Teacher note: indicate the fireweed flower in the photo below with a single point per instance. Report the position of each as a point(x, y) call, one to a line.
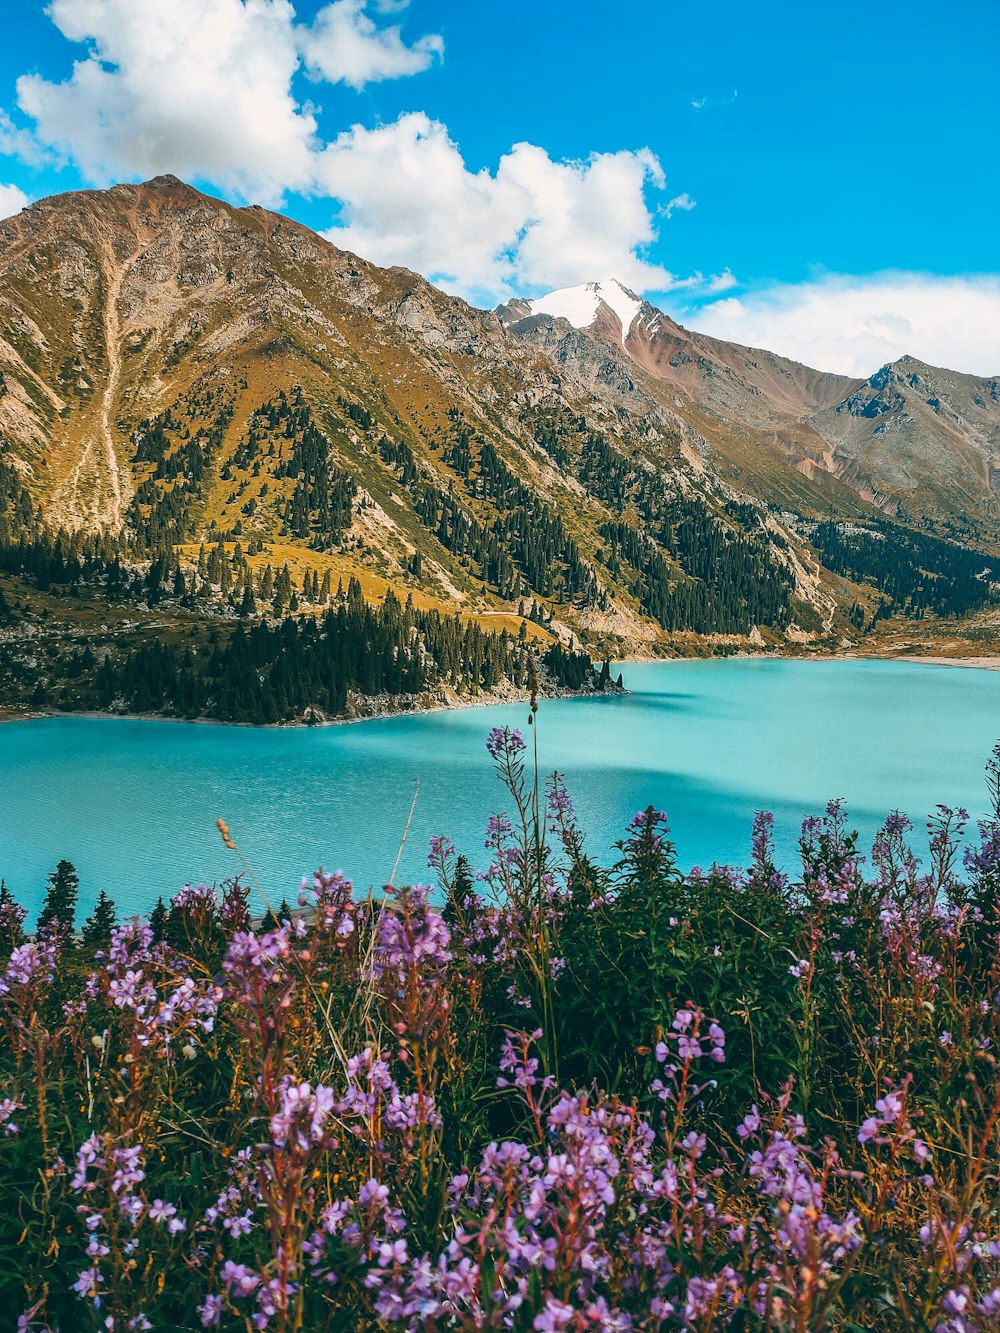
point(332, 899)
point(302, 1115)
point(890, 1124)
point(505, 743)
point(8, 1108)
point(411, 935)
point(210, 1312)
point(678, 1049)
point(238, 1279)
point(34, 962)
point(440, 850)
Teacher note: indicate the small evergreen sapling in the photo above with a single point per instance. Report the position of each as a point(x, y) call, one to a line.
point(59, 908)
point(12, 916)
point(158, 921)
point(101, 922)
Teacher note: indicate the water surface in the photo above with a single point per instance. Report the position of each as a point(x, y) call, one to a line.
point(133, 804)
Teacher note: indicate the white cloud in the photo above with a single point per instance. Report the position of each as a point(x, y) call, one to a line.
point(720, 282)
point(203, 88)
point(854, 325)
point(206, 89)
point(345, 45)
point(699, 103)
point(20, 143)
point(682, 202)
point(12, 200)
point(533, 224)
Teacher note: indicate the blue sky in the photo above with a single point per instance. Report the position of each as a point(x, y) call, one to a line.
point(813, 178)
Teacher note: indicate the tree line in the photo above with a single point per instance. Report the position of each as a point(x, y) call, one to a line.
point(689, 567)
point(307, 668)
point(917, 573)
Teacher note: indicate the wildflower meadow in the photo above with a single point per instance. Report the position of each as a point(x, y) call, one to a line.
point(571, 1092)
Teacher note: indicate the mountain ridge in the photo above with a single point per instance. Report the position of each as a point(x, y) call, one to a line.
point(801, 411)
point(179, 373)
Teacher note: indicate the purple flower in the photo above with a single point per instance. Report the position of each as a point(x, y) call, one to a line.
point(750, 1123)
point(302, 1116)
point(869, 1129)
point(35, 961)
point(7, 1108)
point(554, 1317)
point(87, 1283)
point(505, 744)
point(238, 1279)
point(440, 849)
point(210, 1312)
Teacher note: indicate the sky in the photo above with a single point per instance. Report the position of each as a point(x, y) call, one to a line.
point(816, 179)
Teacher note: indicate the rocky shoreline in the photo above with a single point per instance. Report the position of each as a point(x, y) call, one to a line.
point(361, 708)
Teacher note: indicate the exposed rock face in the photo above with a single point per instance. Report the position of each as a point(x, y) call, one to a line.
point(911, 439)
point(115, 304)
point(928, 438)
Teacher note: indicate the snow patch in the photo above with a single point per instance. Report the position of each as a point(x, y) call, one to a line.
point(580, 305)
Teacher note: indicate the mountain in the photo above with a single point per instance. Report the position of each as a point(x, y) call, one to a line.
point(213, 412)
point(916, 441)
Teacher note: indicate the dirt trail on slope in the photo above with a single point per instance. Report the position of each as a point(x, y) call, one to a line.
point(94, 496)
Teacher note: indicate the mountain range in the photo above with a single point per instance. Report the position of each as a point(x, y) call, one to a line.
point(176, 372)
point(914, 440)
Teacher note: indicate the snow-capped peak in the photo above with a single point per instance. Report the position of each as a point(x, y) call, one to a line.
point(580, 304)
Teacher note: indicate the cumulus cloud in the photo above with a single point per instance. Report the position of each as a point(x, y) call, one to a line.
point(201, 89)
point(345, 45)
point(20, 143)
point(204, 87)
point(408, 198)
point(853, 325)
point(207, 89)
point(12, 200)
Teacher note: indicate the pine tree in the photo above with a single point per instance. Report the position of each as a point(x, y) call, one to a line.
point(59, 908)
point(101, 922)
point(463, 889)
point(12, 916)
point(158, 921)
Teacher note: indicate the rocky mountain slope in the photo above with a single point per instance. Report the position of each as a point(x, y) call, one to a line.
point(917, 442)
point(178, 375)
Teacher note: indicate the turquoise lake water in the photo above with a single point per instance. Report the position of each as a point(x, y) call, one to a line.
point(133, 804)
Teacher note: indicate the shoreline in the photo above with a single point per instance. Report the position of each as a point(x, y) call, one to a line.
point(982, 662)
point(421, 705)
point(494, 700)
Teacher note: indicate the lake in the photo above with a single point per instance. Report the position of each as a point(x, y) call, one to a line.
point(133, 804)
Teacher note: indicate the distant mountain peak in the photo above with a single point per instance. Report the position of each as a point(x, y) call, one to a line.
point(167, 181)
point(581, 305)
